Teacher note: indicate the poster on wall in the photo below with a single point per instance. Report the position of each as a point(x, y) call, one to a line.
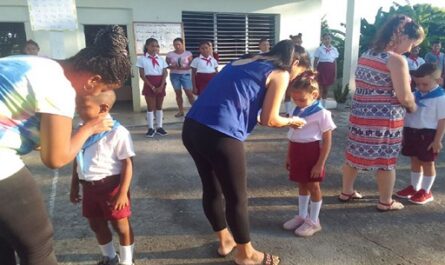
point(54, 15)
point(165, 33)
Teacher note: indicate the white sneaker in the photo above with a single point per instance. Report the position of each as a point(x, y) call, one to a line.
point(294, 223)
point(309, 228)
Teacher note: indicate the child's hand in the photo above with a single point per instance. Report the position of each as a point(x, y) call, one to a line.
point(316, 170)
point(436, 146)
point(74, 194)
point(120, 201)
point(158, 90)
point(287, 165)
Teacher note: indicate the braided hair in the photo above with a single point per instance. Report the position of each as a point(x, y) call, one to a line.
point(107, 57)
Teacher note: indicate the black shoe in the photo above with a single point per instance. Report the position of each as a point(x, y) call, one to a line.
point(161, 132)
point(150, 133)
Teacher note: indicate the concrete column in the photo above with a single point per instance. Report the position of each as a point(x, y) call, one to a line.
point(351, 44)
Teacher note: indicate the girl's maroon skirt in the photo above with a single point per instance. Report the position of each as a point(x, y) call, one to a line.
point(155, 80)
point(302, 158)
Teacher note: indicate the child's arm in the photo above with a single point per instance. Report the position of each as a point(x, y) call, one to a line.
point(288, 157)
point(74, 190)
point(142, 76)
point(437, 143)
point(324, 152)
point(121, 198)
point(195, 89)
point(164, 78)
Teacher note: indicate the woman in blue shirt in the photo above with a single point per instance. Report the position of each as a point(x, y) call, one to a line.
point(216, 127)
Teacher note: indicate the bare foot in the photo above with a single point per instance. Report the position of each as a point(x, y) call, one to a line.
point(226, 247)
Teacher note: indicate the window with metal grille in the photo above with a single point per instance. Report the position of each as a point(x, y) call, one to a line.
point(232, 34)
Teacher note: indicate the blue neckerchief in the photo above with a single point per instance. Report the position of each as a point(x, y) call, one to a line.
point(92, 140)
point(436, 92)
point(313, 108)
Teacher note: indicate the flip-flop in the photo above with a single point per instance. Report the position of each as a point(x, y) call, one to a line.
point(349, 197)
point(268, 259)
point(386, 207)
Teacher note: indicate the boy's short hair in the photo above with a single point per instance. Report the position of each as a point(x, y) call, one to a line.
point(263, 40)
point(435, 42)
point(107, 97)
point(426, 69)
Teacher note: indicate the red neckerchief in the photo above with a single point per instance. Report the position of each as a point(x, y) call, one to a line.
point(208, 60)
point(327, 50)
point(154, 61)
point(414, 58)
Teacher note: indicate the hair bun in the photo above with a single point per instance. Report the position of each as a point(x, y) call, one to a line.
point(111, 41)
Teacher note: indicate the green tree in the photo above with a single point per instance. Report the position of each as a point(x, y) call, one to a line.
point(431, 18)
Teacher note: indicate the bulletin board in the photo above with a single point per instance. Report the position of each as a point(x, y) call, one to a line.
point(165, 33)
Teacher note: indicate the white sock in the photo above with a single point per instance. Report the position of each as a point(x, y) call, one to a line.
point(159, 115)
point(416, 180)
point(428, 182)
point(315, 211)
point(108, 250)
point(126, 254)
point(303, 204)
point(150, 119)
point(288, 107)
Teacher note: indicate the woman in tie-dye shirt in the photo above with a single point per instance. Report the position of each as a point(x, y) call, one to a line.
point(37, 103)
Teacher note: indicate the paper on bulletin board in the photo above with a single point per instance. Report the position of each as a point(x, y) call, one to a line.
point(164, 33)
point(56, 15)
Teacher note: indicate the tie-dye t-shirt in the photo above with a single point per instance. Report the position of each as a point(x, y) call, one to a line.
point(29, 85)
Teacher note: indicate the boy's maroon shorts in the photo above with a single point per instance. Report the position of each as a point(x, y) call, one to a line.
point(98, 196)
point(416, 141)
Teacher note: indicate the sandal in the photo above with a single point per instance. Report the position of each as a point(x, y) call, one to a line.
point(268, 259)
point(179, 114)
point(386, 207)
point(343, 197)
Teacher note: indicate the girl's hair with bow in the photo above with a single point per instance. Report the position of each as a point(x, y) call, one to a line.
point(306, 81)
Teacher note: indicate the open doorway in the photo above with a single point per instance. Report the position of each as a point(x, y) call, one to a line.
point(123, 94)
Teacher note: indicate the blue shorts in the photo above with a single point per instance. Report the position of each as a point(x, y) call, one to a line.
point(181, 81)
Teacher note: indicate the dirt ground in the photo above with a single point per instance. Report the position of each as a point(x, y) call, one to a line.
point(171, 229)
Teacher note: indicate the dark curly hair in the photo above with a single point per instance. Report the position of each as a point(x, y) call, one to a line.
point(107, 57)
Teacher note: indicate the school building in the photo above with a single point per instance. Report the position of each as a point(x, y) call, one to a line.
point(235, 26)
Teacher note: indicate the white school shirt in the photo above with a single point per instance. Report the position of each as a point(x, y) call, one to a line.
point(428, 116)
point(29, 85)
point(316, 124)
point(103, 159)
point(146, 63)
point(201, 65)
point(325, 54)
point(414, 64)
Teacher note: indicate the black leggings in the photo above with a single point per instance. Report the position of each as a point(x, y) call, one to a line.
point(220, 161)
point(24, 224)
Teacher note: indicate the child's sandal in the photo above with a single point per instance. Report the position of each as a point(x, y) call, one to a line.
point(343, 197)
point(386, 207)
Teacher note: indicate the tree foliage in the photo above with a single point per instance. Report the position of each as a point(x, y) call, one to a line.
point(431, 18)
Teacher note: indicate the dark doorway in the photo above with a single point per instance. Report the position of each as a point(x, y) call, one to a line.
point(12, 38)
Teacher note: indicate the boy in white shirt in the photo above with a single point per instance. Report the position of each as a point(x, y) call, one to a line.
point(423, 133)
point(104, 168)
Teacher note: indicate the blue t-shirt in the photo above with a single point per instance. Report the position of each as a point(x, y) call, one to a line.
point(233, 98)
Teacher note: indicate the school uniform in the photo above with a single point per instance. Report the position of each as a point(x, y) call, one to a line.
point(304, 143)
point(414, 62)
point(153, 69)
point(205, 71)
point(420, 126)
point(99, 168)
point(436, 58)
point(326, 64)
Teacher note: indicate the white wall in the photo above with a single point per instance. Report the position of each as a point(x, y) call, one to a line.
point(294, 16)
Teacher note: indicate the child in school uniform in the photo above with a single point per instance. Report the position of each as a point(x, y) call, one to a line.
point(325, 62)
point(104, 169)
point(423, 133)
point(204, 68)
point(153, 70)
point(308, 150)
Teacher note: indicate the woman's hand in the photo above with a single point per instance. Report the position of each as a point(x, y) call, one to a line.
point(296, 122)
point(98, 125)
point(411, 109)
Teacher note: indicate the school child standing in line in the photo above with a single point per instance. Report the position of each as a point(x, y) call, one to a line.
point(204, 68)
point(308, 151)
point(423, 133)
point(264, 45)
point(104, 168)
point(326, 64)
point(153, 70)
